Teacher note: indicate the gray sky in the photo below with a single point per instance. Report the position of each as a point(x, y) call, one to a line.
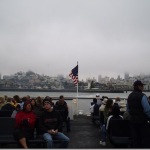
point(107, 37)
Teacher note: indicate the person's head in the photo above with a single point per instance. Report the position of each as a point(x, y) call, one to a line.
point(97, 96)
point(47, 105)
point(117, 99)
point(27, 106)
point(61, 99)
point(9, 99)
point(39, 100)
point(48, 98)
point(138, 85)
point(33, 102)
point(18, 107)
point(104, 101)
point(115, 110)
point(24, 99)
point(109, 103)
point(16, 98)
point(28, 97)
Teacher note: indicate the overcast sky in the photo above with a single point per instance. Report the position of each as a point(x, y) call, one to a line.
point(107, 37)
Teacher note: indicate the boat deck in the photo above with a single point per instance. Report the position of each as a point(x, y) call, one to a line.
point(84, 134)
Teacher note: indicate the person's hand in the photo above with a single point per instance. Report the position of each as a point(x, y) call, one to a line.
point(52, 131)
point(56, 131)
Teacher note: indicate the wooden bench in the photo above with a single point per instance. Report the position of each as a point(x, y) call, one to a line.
point(6, 134)
point(5, 113)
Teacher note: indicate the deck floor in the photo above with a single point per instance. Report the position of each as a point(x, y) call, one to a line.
point(84, 134)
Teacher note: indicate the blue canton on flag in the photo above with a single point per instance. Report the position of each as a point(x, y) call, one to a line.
point(74, 75)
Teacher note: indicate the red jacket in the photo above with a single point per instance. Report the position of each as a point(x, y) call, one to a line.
point(30, 116)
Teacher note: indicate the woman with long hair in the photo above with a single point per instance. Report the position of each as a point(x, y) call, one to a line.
point(25, 123)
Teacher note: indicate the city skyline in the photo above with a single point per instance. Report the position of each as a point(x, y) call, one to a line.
point(99, 77)
point(49, 37)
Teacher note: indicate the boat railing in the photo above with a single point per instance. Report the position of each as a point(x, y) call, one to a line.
point(81, 105)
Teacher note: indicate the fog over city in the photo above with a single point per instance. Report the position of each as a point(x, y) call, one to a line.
point(106, 37)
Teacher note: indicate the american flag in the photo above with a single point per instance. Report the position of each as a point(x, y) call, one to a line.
point(74, 75)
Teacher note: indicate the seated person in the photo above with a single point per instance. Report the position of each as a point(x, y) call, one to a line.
point(18, 108)
point(36, 109)
point(94, 110)
point(106, 113)
point(62, 107)
point(101, 109)
point(115, 115)
point(25, 123)
point(99, 100)
point(50, 123)
point(50, 99)
point(92, 105)
point(8, 105)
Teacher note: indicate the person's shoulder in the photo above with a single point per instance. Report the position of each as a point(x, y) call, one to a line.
point(144, 95)
point(55, 112)
point(33, 113)
point(110, 117)
point(65, 102)
point(20, 113)
point(42, 114)
point(57, 102)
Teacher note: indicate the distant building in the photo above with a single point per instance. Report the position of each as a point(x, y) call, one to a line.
point(100, 79)
point(126, 76)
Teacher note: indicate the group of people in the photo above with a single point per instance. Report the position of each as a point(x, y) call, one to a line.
point(50, 120)
point(137, 111)
point(51, 117)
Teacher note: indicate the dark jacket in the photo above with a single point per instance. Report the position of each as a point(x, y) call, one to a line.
point(135, 107)
point(50, 120)
point(62, 109)
point(8, 106)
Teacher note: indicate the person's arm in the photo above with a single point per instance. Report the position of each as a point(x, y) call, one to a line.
point(108, 120)
point(145, 105)
point(42, 124)
point(13, 115)
point(18, 118)
point(59, 122)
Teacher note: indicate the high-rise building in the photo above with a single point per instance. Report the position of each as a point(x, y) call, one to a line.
point(99, 78)
point(126, 76)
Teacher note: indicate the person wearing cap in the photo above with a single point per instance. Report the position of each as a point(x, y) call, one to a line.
point(139, 110)
point(50, 124)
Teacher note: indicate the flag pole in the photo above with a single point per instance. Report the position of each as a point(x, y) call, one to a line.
point(77, 90)
point(74, 76)
point(78, 79)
